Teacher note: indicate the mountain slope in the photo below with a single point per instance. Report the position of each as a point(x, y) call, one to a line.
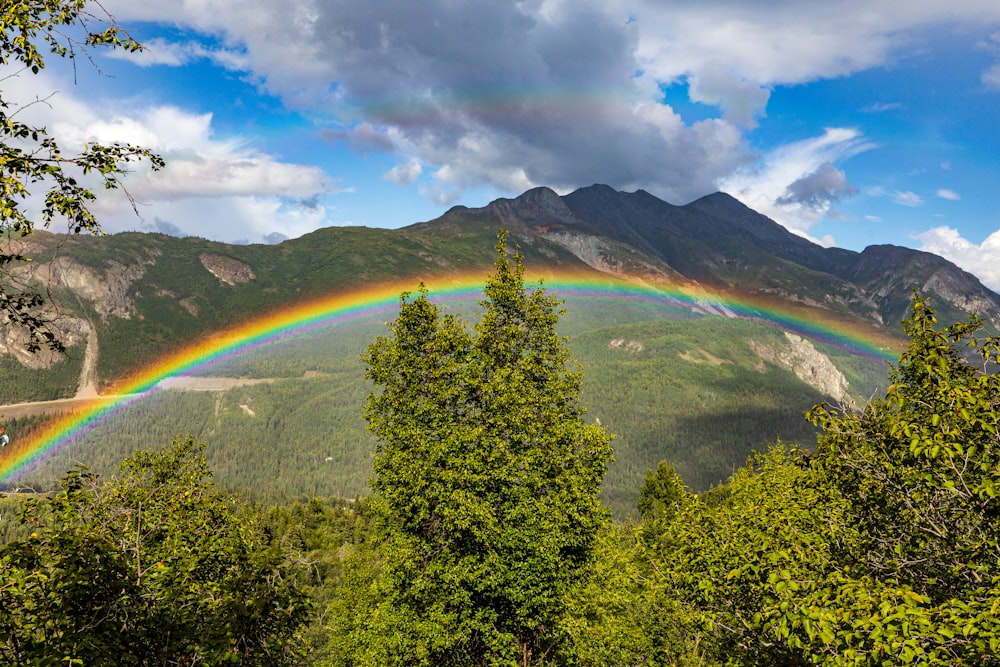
point(719, 241)
point(682, 384)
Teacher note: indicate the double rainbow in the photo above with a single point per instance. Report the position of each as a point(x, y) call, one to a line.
point(340, 309)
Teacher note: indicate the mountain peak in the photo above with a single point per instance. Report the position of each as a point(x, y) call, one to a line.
point(537, 207)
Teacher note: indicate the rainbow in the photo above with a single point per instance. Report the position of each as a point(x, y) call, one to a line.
point(339, 309)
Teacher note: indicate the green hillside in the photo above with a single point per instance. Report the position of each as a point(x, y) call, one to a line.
point(677, 385)
point(689, 390)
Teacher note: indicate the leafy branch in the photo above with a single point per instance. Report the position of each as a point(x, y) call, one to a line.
point(33, 165)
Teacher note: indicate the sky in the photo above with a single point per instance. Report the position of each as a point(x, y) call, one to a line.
point(850, 122)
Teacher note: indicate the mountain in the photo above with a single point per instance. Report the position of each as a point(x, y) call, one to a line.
point(719, 241)
point(687, 385)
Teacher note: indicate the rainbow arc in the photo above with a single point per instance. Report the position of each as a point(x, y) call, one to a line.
point(343, 308)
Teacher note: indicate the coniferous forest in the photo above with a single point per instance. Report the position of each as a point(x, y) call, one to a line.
point(489, 534)
point(484, 540)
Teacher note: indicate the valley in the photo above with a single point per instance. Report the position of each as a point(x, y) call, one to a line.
point(704, 333)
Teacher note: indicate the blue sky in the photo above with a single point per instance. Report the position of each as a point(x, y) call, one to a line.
point(849, 122)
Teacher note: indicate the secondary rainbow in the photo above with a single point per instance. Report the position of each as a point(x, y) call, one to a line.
point(339, 309)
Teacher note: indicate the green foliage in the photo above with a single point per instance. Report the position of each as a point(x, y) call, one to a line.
point(661, 495)
point(28, 157)
point(920, 470)
point(486, 482)
point(22, 384)
point(733, 566)
point(617, 617)
point(693, 392)
point(154, 566)
point(705, 418)
point(294, 438)
point(881, 548)
point(333, 537)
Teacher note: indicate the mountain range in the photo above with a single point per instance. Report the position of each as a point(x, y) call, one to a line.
point(694, 387)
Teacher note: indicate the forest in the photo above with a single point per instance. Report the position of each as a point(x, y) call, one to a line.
point(484, 539)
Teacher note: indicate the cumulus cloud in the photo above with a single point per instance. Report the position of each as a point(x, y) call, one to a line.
point(207, 180)
point(950, 195)
point(982, 260)
point(237, 173)
point(233, 219)
point(740, 100)
point(513, 94)
point(504, 94)
point(404, 174)
point(198, 165)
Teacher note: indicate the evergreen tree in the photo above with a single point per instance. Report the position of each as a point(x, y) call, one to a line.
point(487, 480)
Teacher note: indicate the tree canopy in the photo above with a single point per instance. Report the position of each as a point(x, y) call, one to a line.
point(486, 481)
point(881, 547)
point(154, 566)
point(35, 173)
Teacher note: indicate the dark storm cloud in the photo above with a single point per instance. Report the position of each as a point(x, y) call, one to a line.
point(819, 189)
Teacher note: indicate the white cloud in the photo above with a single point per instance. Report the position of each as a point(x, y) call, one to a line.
point(991, 77)
point(229, 218)
point(210, 186)
point(881, 107)
point(240, 173)
point(440, 195)
point(404, 174)
point(547, 91)
point(784, 41)
point(504, 94)
point(907, 198)
point(982, 260)
point(740, 100)
point(159, 51)
point(197, 164)
point(950, 195)
point(796, 184)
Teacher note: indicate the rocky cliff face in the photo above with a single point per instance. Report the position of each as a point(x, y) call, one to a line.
point(227, 270)
point(108, 293)
point(809, 365)
point(70, 330)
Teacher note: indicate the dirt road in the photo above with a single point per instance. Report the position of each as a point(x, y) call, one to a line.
point(89, 400)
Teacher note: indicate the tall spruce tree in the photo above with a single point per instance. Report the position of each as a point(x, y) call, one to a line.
point(487, 480)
